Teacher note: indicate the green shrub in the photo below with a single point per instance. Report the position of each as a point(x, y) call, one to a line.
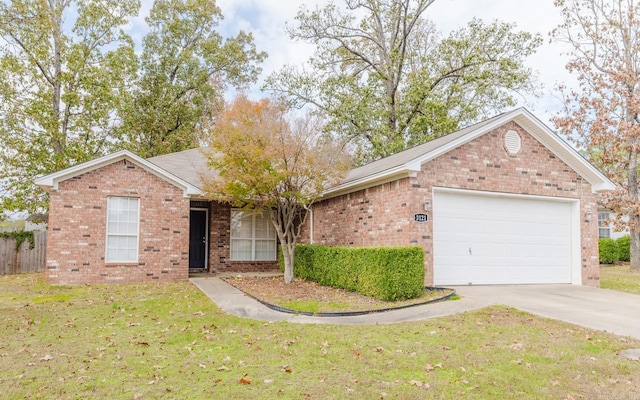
point(386, 273)
point(623, 245)
point(608, 251)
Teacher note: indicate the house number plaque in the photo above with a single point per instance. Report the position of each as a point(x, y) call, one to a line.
point(421, 217)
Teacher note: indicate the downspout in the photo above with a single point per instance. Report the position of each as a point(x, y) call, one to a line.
point(311, 225)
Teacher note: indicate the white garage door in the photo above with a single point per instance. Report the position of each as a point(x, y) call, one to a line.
point(482, 239)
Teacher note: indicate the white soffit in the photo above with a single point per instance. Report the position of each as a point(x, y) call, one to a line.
point(522, 117)
point(50, 181)
point(564, 152)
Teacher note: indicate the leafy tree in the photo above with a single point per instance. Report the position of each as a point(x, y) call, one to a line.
point(185, 67)
point(72, 86)
point(602, 114)
point(265, 161)
point(387, 80)
point(63, 65)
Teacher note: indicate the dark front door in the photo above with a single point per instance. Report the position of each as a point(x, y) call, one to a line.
point(198, 239)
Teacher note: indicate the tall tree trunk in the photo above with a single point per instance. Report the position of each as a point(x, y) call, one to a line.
point(288, 218)
point(634, 219)
point(288, 252)
point(635, 245)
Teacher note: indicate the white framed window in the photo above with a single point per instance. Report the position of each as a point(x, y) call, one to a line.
point(253, 237)
point(123, 220)
point(604, 230)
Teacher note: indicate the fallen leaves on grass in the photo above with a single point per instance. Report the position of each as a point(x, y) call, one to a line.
point(420, 384)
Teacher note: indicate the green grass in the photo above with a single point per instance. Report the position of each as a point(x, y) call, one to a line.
point(166, 341)
point(315, 306)
point(46, 299)
point(620, 278)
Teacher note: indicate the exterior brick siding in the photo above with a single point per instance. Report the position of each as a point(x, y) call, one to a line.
point(77, 230)
point(220, 245)
point(77, 227)
point(383, 215)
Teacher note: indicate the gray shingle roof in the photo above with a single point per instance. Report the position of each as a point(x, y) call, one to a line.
point(408, 155)
point(189, 165)
point(185, 169)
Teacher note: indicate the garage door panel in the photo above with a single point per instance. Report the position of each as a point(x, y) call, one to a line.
point(483, 239)
point(513, 251)
point(455, 225)
point(495, 227)
point(492, 250)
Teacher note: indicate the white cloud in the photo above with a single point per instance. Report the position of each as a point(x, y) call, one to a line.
point(266, 20)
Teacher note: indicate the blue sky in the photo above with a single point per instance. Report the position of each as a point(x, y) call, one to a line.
point(266, 20)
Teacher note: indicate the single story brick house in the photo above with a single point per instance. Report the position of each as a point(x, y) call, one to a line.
point(607, 227)
point(504, 201)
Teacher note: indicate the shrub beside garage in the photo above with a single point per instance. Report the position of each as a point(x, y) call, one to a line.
point(612, 251)
point(386, 273)
point(624, 248)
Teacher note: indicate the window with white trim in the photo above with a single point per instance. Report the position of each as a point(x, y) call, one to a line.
point(604, 230)
point(123, 217)
point(253, 237)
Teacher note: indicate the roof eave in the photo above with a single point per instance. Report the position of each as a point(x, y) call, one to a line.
point(599, 182)
point(603, 187)
point(404, 171)
point(51, 181)
point(561, 149)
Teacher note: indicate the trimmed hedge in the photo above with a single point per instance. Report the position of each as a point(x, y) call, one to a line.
point(607, 250)
point(612, 251)
point(386, 273)
point(624, 248)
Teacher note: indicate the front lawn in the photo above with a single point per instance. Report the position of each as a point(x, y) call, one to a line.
point(165, 341)
point(618, 277)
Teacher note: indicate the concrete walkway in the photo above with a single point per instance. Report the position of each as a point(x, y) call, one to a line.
point(593, 308)
point(235, 302)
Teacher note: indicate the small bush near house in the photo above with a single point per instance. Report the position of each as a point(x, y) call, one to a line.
point(386, 273)
point(608, 251)
point(624, 248)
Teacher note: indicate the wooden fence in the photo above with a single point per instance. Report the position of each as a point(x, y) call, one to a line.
point(25, 259)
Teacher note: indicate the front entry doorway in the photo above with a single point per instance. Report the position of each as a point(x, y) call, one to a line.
point(198, 239)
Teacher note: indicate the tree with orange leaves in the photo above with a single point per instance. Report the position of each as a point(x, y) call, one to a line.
point(602, 116)
point(265, 160)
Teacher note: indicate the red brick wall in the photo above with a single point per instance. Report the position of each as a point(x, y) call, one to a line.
point(369, 217)
point(220, 245)
point(383, 215)
point(77, 217)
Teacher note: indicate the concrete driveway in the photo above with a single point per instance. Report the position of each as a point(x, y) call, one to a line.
point(594, 308)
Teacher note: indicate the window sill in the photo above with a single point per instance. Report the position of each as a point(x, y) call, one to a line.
point(122, 264)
